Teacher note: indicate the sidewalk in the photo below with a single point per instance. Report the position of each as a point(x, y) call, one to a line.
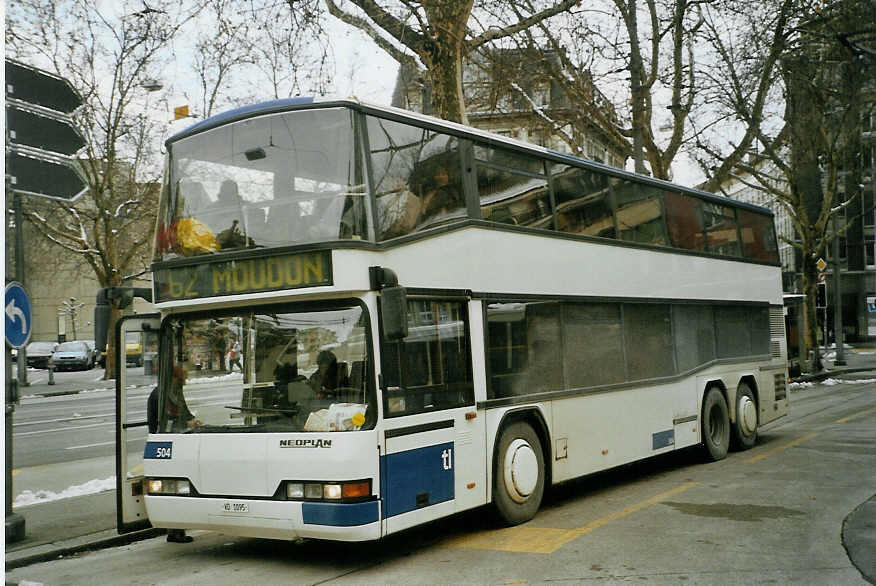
point(68, 526)
point(859, 358)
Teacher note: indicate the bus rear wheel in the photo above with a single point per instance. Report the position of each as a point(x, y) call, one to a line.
point(716, 424)
point(745, 428)
point(518, 481)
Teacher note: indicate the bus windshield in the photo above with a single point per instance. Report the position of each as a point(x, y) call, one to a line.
point(274, 180)
point(275, 370)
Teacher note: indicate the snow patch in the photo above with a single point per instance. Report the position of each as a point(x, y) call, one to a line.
point(798, 386)
point(29, 497)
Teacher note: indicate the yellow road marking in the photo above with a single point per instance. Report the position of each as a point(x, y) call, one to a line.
point(855, 415)
point(781, 448)
point(528, 539)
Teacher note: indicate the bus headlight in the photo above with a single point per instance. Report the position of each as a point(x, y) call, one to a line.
point(353, 491)
point(169, 486)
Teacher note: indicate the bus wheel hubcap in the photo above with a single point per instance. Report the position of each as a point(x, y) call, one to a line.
point(521, 470)
point(747, 415)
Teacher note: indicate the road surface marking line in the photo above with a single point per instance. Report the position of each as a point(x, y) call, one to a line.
point(133, 439)
point(855, 415)
point(781, 448)
point(23, 433)
point(528, 539)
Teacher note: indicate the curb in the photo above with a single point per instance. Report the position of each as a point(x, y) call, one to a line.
point(825, 374)
point(94, 541)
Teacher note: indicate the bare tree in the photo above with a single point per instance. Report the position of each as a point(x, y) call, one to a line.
point(253, 50)
point(435, 36)
point(106, 51)
point(813, 143)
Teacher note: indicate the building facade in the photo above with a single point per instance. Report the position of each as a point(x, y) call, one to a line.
point(526, 102)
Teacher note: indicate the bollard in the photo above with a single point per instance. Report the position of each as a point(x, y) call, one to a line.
point(51, 375)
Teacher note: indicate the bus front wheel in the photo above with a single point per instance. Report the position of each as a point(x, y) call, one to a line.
point(745, 428)
point(518, 482)
point(716, 424)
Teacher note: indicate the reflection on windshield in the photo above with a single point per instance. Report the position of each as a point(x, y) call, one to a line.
point(275, 372)
point(270, 181)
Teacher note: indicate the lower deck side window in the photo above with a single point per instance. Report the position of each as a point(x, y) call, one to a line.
point(539, 346)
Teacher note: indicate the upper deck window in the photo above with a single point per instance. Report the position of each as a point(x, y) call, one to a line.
point(512, 188)
point(273, 180)
point(417, 178)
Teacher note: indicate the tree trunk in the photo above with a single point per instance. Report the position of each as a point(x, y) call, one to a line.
point(445, 75)
point(810, 314)
point(442, 53)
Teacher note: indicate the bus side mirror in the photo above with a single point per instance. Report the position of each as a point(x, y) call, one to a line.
point(394, 313)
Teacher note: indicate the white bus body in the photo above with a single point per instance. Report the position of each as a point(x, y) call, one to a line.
point(424, 462)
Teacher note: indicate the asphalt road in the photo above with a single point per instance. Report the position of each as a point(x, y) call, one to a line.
point(55, 427)
point(771, 515)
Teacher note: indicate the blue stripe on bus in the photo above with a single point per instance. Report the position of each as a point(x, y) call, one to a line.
point(158, 451)
point(662, 439)
point(340, 514)
point(417, 478)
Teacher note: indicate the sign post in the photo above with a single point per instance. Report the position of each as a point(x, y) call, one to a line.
point(18, 327)
point(41, 142)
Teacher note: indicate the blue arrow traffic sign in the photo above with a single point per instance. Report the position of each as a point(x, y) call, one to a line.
point(18, 316)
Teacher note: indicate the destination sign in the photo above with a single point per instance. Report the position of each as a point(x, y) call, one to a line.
point(253, 275)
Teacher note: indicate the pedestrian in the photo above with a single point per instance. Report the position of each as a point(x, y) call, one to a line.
point(234, 357)
point(173, 535)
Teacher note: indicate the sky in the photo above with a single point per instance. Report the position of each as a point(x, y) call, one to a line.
point(363, 71)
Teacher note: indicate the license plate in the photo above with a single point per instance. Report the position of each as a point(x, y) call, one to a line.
point(236, 507)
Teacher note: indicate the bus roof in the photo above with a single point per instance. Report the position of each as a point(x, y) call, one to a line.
point(407, 116)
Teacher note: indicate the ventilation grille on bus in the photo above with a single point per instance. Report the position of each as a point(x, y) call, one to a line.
point(781, 388)
point(777, 323)
point(775, 349)
point(777, 331)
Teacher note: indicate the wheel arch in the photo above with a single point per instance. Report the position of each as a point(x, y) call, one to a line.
point(716, 383)
point(751, 381)
point(534, 417)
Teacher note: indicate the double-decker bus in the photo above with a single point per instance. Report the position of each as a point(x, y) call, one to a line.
point(370, 319)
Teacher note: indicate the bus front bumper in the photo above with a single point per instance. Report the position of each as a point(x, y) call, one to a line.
point(269, 519)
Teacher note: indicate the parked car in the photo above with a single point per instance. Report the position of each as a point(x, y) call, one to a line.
point(133, 349)
point(39, 353)
point(94, 353)
point(72, 355)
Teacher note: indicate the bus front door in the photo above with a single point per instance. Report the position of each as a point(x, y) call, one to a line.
point(134, 383)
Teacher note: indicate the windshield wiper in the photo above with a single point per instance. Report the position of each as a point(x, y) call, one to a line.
point(224, 428)
point(292, 409)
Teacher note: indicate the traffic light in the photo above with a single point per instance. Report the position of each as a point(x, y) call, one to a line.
point(821, 295)
point(41, 138)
